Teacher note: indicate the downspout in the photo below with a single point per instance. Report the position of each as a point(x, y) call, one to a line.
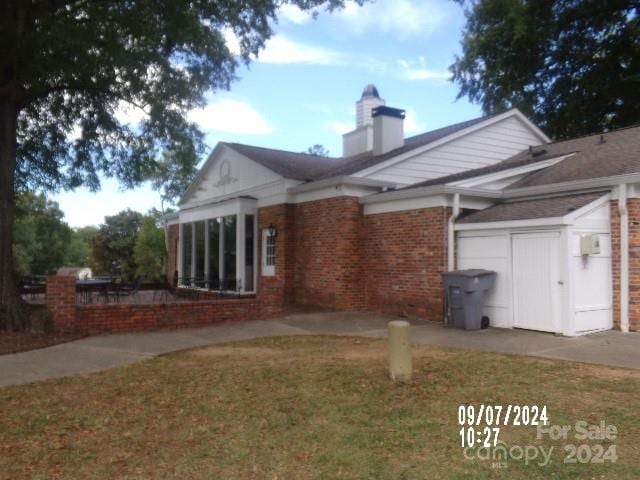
point(451, 244)
point(624, 257)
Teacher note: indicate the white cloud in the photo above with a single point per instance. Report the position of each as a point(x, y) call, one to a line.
point(292, 14)
point(232, 41)
point(129, 114)
point(281, 50)
point(417, 70)
point(404, 18)
point(411, 123)
point(341, 127)
point(230, 116)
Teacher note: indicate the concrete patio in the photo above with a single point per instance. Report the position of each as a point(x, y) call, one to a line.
point(99, 353)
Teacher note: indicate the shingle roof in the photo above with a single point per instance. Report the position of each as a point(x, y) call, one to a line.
point(302, 166)
point(619, 154)
point(601, 155)
point(296, 166)
point(530, 209)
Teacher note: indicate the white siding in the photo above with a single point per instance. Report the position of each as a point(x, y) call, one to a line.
point(591, 276)
point(240, 176)
point(483, 147)
point(491, 252)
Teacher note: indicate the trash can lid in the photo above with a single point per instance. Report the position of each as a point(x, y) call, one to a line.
point(470, 272)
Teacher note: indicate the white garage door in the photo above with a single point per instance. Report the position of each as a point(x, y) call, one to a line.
point(536, 281)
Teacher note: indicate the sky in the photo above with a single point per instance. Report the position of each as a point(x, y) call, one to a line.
point(302, 88)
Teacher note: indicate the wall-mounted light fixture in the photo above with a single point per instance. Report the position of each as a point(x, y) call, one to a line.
point(271, 231)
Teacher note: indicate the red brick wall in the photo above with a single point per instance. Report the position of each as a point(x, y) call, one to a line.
point(60, 299)
point(328, 248)
point(172, 257)
point(405, 253)
point(633, 205)
point(132, 318)
point(100, 318)
point(278, 289)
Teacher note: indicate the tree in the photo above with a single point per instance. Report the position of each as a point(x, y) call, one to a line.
point(79, 251)
point(150, 252)
point(113, 245)
point(318, 150)
point(42, 237)
point(573, 66)
point(67, 68)
point(172, 175)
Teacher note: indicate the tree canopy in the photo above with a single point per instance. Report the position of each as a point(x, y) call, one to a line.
point(42, 237)
point(69, 69)
point(113, 245)
point(573, 66)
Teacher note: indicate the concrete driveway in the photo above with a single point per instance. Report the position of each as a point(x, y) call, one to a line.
point(99, 353)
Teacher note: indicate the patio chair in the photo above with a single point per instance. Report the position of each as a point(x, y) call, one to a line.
point(166, 289)
point(124, 290)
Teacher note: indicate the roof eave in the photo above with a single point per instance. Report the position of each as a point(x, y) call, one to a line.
point(406, 194)
point(572, 186)
point(341, 180)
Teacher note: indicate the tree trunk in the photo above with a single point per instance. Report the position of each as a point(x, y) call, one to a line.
point(13, 310)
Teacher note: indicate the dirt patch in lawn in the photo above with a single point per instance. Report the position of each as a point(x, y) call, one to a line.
point(224, 351)
point(14, 342)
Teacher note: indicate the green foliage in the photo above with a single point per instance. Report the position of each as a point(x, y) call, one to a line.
point(113, 245)
point(41, 237)
point(573, 66)
point(317, 149)
point(150, 250)
point(79, 251)
point(172, 175)
point(76, 64)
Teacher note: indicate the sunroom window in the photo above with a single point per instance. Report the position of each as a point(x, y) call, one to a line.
point(219, 253)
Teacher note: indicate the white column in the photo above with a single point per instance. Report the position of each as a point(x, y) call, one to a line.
point(240, 253)
point(193, 249)
point(206, 252)
point(180, 241)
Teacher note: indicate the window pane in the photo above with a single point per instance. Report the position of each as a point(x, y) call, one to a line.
point(214, 254)
point(270, 250)
point(199, 273)
point(248, 253)
point(229, 279)
point(186, 254)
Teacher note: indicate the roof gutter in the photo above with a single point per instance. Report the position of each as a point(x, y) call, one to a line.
point(591, 184)
point(340, 180)
point(451, 246)
point(408, 193)
point(563, 187)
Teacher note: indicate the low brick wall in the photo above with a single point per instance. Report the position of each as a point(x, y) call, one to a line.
point(110, 318)
point(133, 317)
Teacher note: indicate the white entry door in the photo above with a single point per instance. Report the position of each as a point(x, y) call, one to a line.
point(536, 281)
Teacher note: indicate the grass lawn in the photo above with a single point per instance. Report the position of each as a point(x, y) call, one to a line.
point(305, 408)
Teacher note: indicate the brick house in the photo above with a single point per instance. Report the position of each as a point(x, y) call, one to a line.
point(374, 228)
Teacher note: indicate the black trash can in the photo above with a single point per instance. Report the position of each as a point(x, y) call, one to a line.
point(466, 291)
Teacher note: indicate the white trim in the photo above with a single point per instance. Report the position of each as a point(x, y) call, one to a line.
point(441, 200)
point(529, 223)
point(460, 133)
point(267, 270)
point(511, 172)
point(340, 180)
point(233, 206)
point(422, 192)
